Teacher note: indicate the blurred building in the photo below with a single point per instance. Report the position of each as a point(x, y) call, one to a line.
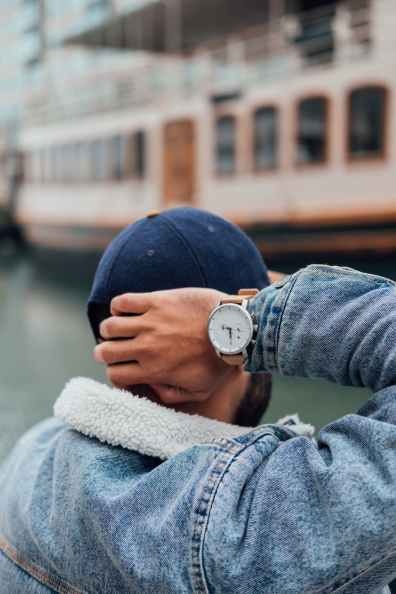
point(276, 114)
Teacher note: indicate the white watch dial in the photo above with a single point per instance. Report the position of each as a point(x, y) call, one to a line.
point(230, 329)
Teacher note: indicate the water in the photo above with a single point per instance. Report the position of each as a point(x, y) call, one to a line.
point(45, 340)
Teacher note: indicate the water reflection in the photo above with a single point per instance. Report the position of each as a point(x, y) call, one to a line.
point(45, 341)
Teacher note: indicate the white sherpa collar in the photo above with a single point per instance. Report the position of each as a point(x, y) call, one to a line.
point(122, 419)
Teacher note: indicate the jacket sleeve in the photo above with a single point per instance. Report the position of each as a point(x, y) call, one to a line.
point(293, 515)
point(328, 322)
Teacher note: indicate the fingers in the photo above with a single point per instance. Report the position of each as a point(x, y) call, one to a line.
point(115, 351)
point(126, 374)
point(121, 327)
point(131, 303)
point(172, 394)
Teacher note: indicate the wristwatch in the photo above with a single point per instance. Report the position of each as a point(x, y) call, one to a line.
point(231, 328)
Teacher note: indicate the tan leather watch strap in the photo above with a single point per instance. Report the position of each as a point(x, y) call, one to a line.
point(233, 360)
point(248, 293)
point(240, 298)
point(234, 299)
point(237, 360)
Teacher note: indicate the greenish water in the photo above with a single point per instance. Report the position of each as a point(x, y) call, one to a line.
point(45, 340)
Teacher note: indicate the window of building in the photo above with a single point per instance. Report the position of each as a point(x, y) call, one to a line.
point(225, 145)
point(135, 157)
point(266, 138)
point(366, 130)
point(312, 130)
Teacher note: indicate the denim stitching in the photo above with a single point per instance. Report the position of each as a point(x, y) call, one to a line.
point(281, 303)
point(205, 504)
point(339, 584)
point(37, 572)
point(200, 514)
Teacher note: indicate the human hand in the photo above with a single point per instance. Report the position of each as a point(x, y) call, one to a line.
point(170, 346)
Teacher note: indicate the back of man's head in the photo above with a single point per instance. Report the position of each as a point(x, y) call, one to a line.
point(182, 247)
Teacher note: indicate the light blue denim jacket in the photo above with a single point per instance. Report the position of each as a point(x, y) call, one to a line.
point(265, 512)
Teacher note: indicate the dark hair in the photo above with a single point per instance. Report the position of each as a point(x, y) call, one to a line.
point(256, 400)
point(97, 313)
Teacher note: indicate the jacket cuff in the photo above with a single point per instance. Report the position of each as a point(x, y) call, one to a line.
point(266, 308)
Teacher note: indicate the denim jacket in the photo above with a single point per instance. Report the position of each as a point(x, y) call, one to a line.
point(215, 509)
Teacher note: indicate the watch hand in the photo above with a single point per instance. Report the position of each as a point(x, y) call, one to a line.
point(224, 327)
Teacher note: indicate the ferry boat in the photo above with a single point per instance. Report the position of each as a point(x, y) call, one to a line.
point(280, 116)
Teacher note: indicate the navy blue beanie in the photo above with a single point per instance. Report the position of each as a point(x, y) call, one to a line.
point(182, 247)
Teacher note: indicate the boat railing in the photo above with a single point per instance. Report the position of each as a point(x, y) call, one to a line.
point(282, 48)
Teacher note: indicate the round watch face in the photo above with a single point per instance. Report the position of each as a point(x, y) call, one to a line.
point(230, 329)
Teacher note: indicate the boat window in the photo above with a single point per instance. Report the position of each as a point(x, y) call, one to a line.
point(67, 162)
point(135, 155)
point(266, 138)
point(77, 161)
point(366, 133)
point(140, 153)
point(225, 145)
point(56, 164)
point(98, 160)
point(46, 165)
point(40, 167)
point(117, 157)
point(29, 166)
point(85, 168)
point(312, 130)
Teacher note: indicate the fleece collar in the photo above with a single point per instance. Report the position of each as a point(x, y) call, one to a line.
point(121, 419)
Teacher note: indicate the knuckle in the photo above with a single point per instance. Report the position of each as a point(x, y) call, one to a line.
point(143, 346)
point(158, 369)
point(111, 326)
point(103, 329)
point(125, 301)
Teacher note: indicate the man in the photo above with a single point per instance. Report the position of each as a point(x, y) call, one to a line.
point(79, 516)
point(230, 510)
point(278, 514)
